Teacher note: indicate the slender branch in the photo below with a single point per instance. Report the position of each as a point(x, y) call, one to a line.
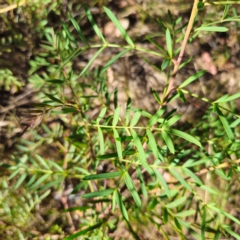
point(185, 40)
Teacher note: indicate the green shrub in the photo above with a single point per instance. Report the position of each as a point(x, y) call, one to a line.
point(132, 168)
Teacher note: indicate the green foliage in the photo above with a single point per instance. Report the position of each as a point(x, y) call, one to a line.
point(156, 167)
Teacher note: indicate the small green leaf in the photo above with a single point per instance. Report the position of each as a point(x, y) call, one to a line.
point(156, 95)
point(42, 161)
point(51, 184)
point(101, 193)
point(54, 98)
point(102, 176)
point(212, 29)
point(192, 78)
point(203, 223)
point(20, 180)
point(118, 143)
point(167, 139)
point(69, 110)
point(143, 187)
point(180, 178)
point(135, 118)
point(39, 181)
point(119, 26)
point(156, 116)
point(91, 60)
point(208, 189)
point(121, 205)
point(169, 43)
point(116, 116)
point(101, 141)
point(192, 175)
point(176, 202)
point(83, 232)
point(185, 213)
point(132, 189)
point(163, 183)
point(114, 59)
point(78, 29)
point(152, 143)
point(200, 5)
point(141, 153)
point(227, 98)
point(94, 25)
point(173, 120)
point(101, 114)
point(55, 81)
point(185, 136)
point(225, 124)
point(165, 64)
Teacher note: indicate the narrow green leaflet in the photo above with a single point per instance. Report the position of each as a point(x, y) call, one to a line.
point(116, 116)
point(185, 213)
point(53, 98)
point(152, 143)
point(78, 29)
point(192, 175)
point(71, 56)
point(135, 118)
point(227, 98)
point(114, 200)
point(156, 116)
point(101, 193)
point(173, 120)
point(39, 181)
point(102, 176)
point(51, 184)
point(20, 180)
point(225, 124)
point(101, 114)
point(114, 59)
point(119, 26)
point(70, 36)
point(141, 152)
point(203, 223)
point(208, 189)
point(127, 112)
point(94, 25)
point(176, 202)
point(180, 178)
point(101, 141)
point(212, 29)
point(132, 189)
point(169, 43)
point(118, 143)
point(91, 60)
point(156, 45)
point(234, 234)
point(83, 232)
point(167, 139)
point(185, 136)
point(192, 78)
point(55, 81)
point(121, 205)
point(163, 183)
point(142, 183)
point(42, 162)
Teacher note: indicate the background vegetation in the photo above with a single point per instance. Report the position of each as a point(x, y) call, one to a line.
point(119, 120)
